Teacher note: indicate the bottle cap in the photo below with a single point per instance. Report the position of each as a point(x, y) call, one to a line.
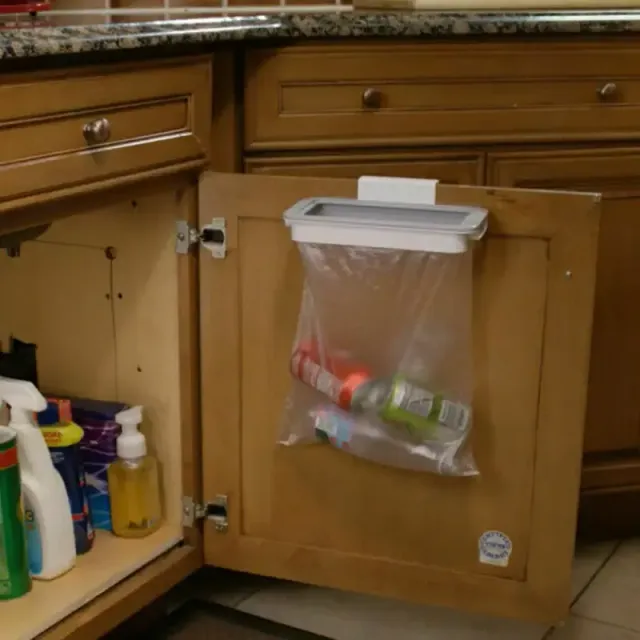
point(130, 443)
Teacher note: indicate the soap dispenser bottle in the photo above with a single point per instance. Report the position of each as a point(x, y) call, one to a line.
point(51, 545)
point(134, 483)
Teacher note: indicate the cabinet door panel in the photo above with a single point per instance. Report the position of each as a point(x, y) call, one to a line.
point(318, 515)
point(448, 167)
point(365, 494)
point(613, 410)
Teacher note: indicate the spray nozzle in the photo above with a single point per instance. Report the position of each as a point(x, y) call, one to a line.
point(23, 398)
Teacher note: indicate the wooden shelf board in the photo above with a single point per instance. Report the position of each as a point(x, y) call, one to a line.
point(110, 561)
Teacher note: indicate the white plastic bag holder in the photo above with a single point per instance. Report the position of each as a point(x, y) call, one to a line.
point(384, 225)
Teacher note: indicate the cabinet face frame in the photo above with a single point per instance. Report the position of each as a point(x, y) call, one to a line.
point(543, 594)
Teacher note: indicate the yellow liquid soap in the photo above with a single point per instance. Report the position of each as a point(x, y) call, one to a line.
point(134, 489)
point(134, 482)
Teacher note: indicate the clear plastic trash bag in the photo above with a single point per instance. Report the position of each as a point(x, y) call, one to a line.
point(382, 361)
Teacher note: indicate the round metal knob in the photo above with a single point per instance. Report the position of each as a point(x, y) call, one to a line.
point(371, 98)
point(607, 91)
point(97, 132)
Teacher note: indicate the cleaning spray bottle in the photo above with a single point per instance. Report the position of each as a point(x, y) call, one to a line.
point(15, 580)
point(50, 541)
point(63, 438)
point(134, 482)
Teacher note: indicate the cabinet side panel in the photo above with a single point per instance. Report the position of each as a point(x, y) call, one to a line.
point(58, 295)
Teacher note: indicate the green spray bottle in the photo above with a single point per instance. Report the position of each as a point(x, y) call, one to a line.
point(15, 580)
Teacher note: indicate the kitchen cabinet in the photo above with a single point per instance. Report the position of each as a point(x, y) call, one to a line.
point(612, 425)
point(124, 322)
point(111, 156)
point(559, 116)
point(111, 307)
point(124, 303)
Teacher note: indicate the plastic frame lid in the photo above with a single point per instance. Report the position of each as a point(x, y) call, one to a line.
point(384, 225)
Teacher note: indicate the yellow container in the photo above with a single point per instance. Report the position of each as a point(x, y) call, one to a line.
point(134, 481)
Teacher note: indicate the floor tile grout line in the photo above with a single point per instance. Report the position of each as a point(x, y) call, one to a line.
point(609, 624)
point(550, 631)
point(596, 573)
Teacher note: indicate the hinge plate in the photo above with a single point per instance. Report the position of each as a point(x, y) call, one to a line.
point(212, 237)
point(189, 511)
point(216, 511)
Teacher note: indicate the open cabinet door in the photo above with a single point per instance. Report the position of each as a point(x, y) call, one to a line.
point(317, 515)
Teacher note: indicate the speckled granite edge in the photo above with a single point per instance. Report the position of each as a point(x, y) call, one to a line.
point(48, 41)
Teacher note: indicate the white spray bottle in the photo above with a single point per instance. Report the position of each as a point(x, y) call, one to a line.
point(50, 541)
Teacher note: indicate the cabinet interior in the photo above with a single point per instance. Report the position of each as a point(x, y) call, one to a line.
point(98, 294)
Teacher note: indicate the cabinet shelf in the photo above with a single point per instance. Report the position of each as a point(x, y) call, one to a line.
point(110, 561)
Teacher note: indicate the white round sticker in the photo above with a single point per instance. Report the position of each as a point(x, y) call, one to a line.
point(494, 548)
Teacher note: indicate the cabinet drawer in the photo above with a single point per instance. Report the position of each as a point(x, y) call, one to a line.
point(70, 134)
point(399, 94)
point(453, 167)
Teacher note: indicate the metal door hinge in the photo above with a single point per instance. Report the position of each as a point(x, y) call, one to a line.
point(212, 237)
point(216, 511)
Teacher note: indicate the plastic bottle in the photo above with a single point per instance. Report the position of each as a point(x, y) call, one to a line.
point(50, 541)
point(381, 442)
point(63, 438)
point(425, 413)
point(15, 580)
point(352, 387)
point(339, 380)
point(134, 482)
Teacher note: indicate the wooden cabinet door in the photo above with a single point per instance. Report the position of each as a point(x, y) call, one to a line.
point(449, 167)
point(613, 409)
point(318, 515)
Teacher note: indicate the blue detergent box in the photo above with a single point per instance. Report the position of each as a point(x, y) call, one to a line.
point(98, 446)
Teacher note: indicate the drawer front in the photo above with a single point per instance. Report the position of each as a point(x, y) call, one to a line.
point(447, 167)
point(399, 94)
point(73, 133)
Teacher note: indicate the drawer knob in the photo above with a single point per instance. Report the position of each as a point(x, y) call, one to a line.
point(372, 98)
point(97, 132)
point(607, 91)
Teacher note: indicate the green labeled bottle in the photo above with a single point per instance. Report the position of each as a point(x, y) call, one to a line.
point(426, 414)
point(15, 580)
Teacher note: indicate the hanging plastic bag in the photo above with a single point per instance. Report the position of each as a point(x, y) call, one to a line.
point(382, 361)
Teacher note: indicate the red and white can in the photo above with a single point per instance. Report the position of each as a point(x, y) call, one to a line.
point(340, 389)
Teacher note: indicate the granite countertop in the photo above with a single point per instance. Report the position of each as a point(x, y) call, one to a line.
point(34, 42)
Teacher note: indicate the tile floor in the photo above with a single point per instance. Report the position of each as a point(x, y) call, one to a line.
point(606, 606)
